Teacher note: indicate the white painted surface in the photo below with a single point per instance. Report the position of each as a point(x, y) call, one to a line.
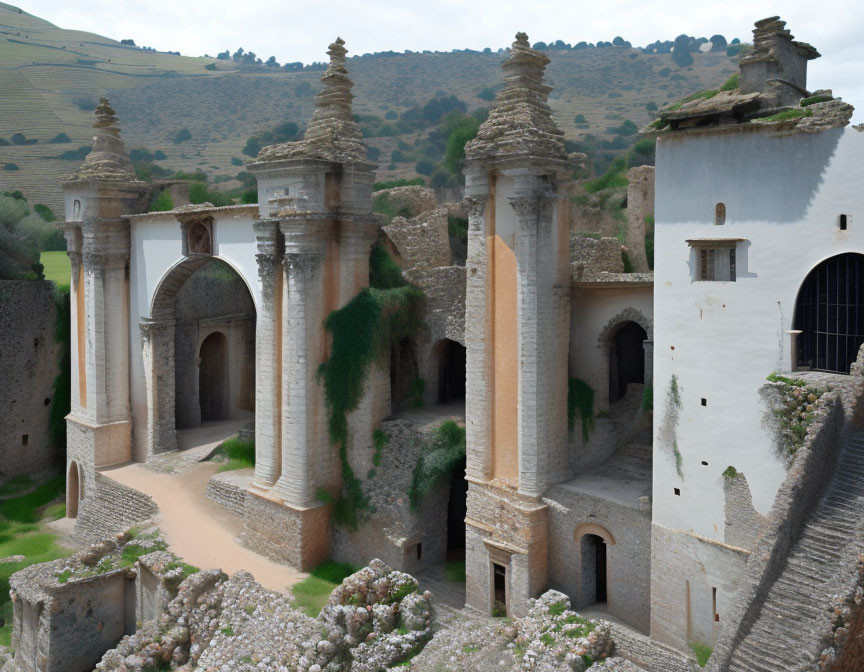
point(156, 248)
point(784, 195)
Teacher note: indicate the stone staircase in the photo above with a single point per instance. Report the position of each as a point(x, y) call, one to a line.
point(630, 462)
point(798, 608)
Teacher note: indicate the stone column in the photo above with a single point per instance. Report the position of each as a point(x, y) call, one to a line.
point(478, 361)
point(302, 398)
point(157, 342)
point(268, 360)
point(72, 233)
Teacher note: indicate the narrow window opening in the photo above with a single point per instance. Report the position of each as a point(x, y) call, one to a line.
point(843, 223)
point(677, 492)
point(714, 605)
point(25, 439)
point(720, 214)
point(419, 550)
point(76, 210)
point(704, 463)
point(704, 401)
point(47, 401)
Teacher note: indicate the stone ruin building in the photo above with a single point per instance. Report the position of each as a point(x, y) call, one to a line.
point(623, 444)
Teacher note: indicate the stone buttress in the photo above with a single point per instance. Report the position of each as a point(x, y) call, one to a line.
point(517, 330)
point(314, 237)
point(97, 195)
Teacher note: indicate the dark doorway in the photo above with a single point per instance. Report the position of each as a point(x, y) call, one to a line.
point(593, 569)
point(73, 489)
point(499, 576)
point(451, 372)
point(406, 389)
point(627, 360)
point(213, 377)
point(456, 511)
point(830, 314)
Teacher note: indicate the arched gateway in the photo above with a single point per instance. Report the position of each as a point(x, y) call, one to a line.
point(302, 253)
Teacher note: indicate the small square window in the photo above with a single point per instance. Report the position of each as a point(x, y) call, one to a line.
point(677, 492)
point(716, 264)
point(843, 222)
point(25, 439)
point(419, 550)
point(704, 401)
point(704, 463)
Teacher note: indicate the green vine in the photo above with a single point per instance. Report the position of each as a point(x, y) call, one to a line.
point(363, 331)
point(670, 422)
point(442, 456)
point(580, 395)
point(61, 401)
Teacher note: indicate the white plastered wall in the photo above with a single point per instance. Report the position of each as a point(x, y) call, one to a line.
point(156, 249)
point(783, 195)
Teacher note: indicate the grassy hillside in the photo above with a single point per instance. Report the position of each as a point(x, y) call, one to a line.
point(51, 78)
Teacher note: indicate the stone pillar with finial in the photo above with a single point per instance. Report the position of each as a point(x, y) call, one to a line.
point(315, 235)
point(98, 194)
point(517, 332)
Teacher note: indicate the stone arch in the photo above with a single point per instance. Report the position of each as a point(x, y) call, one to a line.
point(595, 529)
point(74, 489)
point(161, 360)
point(593, 543)
point(606, 344)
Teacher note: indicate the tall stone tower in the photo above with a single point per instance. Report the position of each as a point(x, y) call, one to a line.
point(314, 237)
point(97, 195)
point(516, 326)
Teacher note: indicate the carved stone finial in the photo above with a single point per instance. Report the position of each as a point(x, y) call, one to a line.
point(520, 123)
point(332, 134)
point(107, 160)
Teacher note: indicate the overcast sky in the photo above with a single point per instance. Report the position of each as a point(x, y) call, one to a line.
point(294, 31)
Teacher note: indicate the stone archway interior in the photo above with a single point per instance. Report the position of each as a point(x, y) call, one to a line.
point(593, 551)
point(213, 377)
point(627, 363)
point(451, 372)
point(457, 508)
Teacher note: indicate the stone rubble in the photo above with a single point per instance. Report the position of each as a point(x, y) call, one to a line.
point(376, 619)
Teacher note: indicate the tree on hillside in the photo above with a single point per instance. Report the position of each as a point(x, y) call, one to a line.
point(271, 62)
point(718, 43)
point(182, 136)
point(224, 55)
point(460, 130)
point(19, 257)
point(681, 51)
point(130, 43)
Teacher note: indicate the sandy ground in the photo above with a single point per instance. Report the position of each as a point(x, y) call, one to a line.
point(201, 532)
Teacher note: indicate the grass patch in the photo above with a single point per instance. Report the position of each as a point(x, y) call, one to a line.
point(16, 485)
point(312, 593)
point(236, 453)
point(812, 100)
point(57, 268)
point(794, 382)
point(787, 115)
point(732, 83)
point(703, 652)
point(131, 552)
point(20, 534)
point(454, 570)
point(615, 176)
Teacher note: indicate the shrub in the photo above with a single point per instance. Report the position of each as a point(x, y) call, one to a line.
point(10, 166)
point(162, 202)
point(44, 212)
point(579, 119)
point(651, 107)
point(460, 131)
point(615, 176)
point(390, 115)
point(417, 181)
point(626, 128)
point(59, 139)
point(236, 162)
point(159, 155)
point(75, 154)
point(487, 94)
point(457, 227)
point(730, 84)
point(4, 142)
point(138, 155)
point(425, 167)
point(182, 136)
point(443, 455)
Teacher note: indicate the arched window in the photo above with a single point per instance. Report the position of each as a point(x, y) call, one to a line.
point(720, 214)
point(76, 210)
point(829, 313)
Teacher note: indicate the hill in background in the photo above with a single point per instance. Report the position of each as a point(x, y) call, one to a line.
point(199, 113)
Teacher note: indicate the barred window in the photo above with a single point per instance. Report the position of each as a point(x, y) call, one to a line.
point(716, 259)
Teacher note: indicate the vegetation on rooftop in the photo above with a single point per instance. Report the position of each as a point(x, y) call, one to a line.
point(787, 115)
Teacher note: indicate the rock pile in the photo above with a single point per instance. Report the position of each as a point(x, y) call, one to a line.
point(376, 619)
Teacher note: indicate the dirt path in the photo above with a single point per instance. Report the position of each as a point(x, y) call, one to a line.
point(201, 532)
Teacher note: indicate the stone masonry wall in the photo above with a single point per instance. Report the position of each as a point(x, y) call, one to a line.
point(640, 204)
point(229, 489)
point(808, 475)
point(29, 358)
point(111, 509)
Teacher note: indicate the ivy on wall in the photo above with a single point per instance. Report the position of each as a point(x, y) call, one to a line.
point(61, 401)
point(436, 465)
point(363, 331)
point(580, 397)
point(668, 433)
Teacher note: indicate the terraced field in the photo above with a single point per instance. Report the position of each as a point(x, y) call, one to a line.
point(50, 79)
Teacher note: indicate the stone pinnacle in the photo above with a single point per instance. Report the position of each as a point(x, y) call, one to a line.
point(107, 160)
